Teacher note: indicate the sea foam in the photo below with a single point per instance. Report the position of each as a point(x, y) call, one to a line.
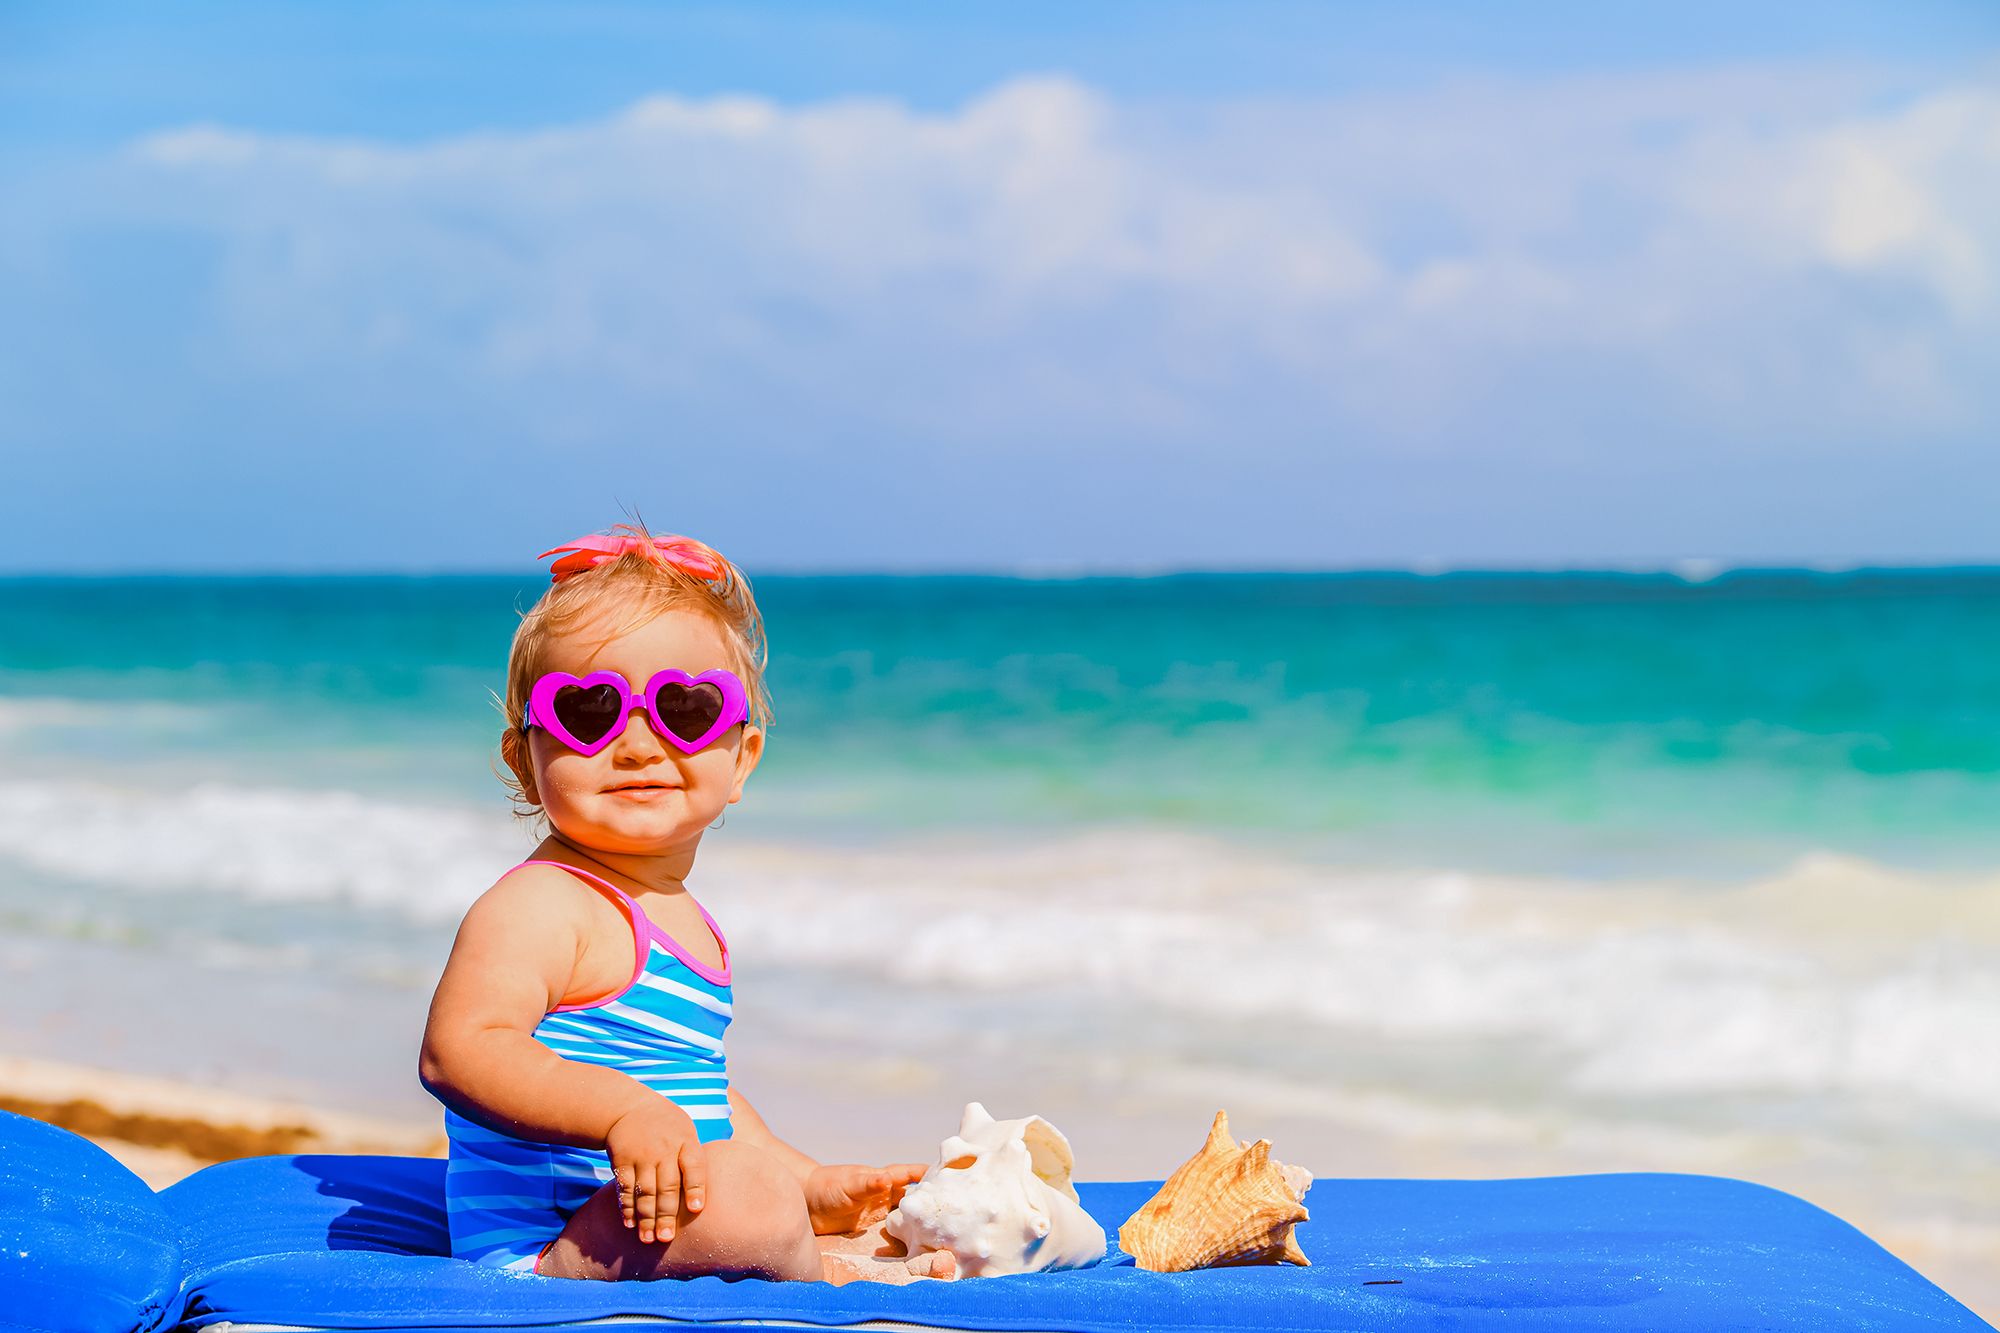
point(427, 862)
point(1834, 979)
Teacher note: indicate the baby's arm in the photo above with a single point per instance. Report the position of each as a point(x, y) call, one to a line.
point(510, 965)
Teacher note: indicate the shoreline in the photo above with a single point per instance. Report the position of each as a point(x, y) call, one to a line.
point(163, 1131)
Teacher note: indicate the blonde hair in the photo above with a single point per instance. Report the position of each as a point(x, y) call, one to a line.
point(635, 587)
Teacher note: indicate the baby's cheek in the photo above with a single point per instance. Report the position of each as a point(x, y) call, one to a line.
point(562, 781)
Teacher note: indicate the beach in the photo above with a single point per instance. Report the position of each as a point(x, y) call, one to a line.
point(163, 1131)
point(875, 1073)
point(1473, 877)
point(1414, 574)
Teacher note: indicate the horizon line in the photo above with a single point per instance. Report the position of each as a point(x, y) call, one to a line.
point(1691, 570)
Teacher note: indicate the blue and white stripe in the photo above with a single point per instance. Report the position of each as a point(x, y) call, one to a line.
point(507, 1197)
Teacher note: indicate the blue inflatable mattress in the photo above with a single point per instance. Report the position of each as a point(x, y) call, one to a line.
point(321, 1242)
point(85, 1247)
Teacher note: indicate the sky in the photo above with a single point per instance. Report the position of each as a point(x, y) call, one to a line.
point(310, 286)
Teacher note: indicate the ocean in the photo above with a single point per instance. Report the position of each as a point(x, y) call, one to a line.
point(1464, 873)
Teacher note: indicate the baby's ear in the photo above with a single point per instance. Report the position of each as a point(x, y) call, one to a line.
point(514, 753)
point(747, 757)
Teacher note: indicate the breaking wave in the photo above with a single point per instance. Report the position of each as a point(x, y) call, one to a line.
point(1837, 978)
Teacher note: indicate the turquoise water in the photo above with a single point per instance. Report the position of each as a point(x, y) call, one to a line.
point(1583, 721)
point(1537, 872)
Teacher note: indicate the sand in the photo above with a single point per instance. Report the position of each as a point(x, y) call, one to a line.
point(163, 1131)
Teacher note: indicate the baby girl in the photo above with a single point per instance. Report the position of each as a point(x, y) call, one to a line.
point(576, 1035)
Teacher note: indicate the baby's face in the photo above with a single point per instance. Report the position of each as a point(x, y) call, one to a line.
point(577, 791)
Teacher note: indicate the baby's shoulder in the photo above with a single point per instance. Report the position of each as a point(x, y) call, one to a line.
point(544, 894)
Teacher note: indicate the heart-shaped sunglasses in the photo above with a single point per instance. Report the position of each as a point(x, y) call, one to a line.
point(586, 712)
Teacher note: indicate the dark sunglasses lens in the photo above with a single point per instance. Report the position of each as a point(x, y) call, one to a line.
point(587, 714)
point(689, 710)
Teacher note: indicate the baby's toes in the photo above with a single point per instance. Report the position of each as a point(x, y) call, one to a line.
point(940, 1264)
point(841, 1269)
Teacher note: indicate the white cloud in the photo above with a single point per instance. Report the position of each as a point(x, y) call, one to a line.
point(1788, 256)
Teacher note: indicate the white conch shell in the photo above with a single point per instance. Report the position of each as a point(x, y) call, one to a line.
point(1000, 1199)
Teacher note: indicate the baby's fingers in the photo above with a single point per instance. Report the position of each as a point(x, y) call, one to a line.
point(669, 1203)
point(645, 1182)
point(627, 1178)
point(694, 1174)
point(901, 1177)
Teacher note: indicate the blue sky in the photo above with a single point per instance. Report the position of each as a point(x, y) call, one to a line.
point(311, 285)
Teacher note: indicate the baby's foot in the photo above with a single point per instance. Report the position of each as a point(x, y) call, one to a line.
point(940, 1264)
point(841, 1269)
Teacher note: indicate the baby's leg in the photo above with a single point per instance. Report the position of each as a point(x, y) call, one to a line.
point(754, 1223)
point(873, 1255)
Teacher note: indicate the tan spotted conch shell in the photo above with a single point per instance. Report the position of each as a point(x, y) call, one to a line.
point(1228, 1204)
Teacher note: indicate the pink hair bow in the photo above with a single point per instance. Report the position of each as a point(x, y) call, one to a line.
point(593, 550)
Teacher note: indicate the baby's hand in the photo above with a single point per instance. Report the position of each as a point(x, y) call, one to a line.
point(657, 1157)
point(847, 1198)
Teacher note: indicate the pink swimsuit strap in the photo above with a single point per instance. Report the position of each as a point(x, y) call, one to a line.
point(643, 930)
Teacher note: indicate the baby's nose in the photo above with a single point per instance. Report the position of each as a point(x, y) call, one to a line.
point(638, 740)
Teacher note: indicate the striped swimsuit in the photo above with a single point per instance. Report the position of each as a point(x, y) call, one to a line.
point(507, 1197)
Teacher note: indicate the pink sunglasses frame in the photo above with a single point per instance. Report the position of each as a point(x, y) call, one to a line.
point(541, 706)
